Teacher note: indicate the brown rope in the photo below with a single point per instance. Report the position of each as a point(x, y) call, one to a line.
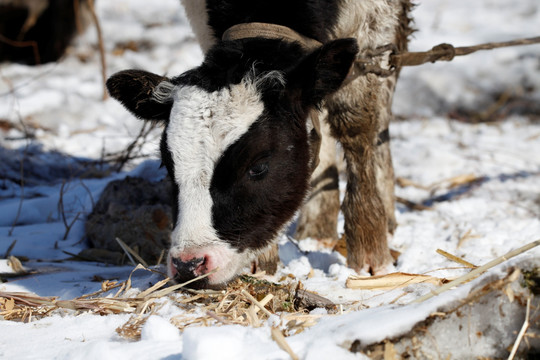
point(269, 31)
point(447, 52)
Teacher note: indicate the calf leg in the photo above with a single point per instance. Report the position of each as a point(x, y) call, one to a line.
point(384, 169)
point(318, 217)
point(359, 116)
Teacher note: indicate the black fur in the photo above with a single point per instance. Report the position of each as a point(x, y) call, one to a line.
point(261, 180)
point(312, 18)
point(133, 88)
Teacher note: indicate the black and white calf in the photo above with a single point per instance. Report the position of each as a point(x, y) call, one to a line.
point(239, 142)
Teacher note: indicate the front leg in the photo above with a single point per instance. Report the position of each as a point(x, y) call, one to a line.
point(366, 221)
point(358, 114)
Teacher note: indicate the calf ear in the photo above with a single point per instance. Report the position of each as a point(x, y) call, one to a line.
point(323, 71)
point(135, 90)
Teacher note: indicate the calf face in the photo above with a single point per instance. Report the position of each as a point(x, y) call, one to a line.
point(236, 145)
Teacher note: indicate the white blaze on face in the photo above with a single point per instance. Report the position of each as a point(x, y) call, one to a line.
point(201, 127)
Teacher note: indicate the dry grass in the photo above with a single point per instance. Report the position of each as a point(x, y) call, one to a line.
point(248, 301)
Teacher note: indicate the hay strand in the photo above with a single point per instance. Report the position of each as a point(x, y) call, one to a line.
point(390, 281)
point(257, 303)
point(282, 343)
point(477, 272)
point(170, 289)
point(131, 253)
point(153, 288)
point(456, 259)
point(522, 331)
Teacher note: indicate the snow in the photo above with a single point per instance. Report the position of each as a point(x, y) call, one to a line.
point(60, 106)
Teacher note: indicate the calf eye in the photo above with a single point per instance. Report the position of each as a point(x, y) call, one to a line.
point(258, 171)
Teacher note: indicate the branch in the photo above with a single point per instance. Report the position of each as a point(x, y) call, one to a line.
point(101, 48)
point(14, 43)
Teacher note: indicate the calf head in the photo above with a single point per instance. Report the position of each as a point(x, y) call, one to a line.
point(236, 144)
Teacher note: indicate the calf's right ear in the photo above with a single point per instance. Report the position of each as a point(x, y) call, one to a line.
point(135, 90)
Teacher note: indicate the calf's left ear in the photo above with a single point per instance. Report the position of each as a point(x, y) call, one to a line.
point(323, 71)
point(135, 90)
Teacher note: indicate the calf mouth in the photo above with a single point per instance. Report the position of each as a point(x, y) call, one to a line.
point(211, 266)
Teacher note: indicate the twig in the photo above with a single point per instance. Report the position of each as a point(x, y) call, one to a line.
point(101, 47)
point(25, 151)
point(89, 193)
point(10, 248)
point(522, 331)
point(125, 155)
point(77, 14)
point(477, 272)
point(412, 205)
point(14, 43)
point(62, 211)
point(14, 88)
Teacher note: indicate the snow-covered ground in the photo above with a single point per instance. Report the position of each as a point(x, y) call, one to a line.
point(60, 106)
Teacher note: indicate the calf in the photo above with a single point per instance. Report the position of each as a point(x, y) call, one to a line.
point(241, 135)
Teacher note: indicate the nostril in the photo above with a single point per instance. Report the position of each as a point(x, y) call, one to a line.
point(190, 266)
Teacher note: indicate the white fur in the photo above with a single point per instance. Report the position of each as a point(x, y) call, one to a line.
point(198, 18)
point(201, 127)
point(163, 92)
point(356, 20)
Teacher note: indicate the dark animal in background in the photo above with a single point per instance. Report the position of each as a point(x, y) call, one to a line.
point(39, 31)
point(239, 139)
